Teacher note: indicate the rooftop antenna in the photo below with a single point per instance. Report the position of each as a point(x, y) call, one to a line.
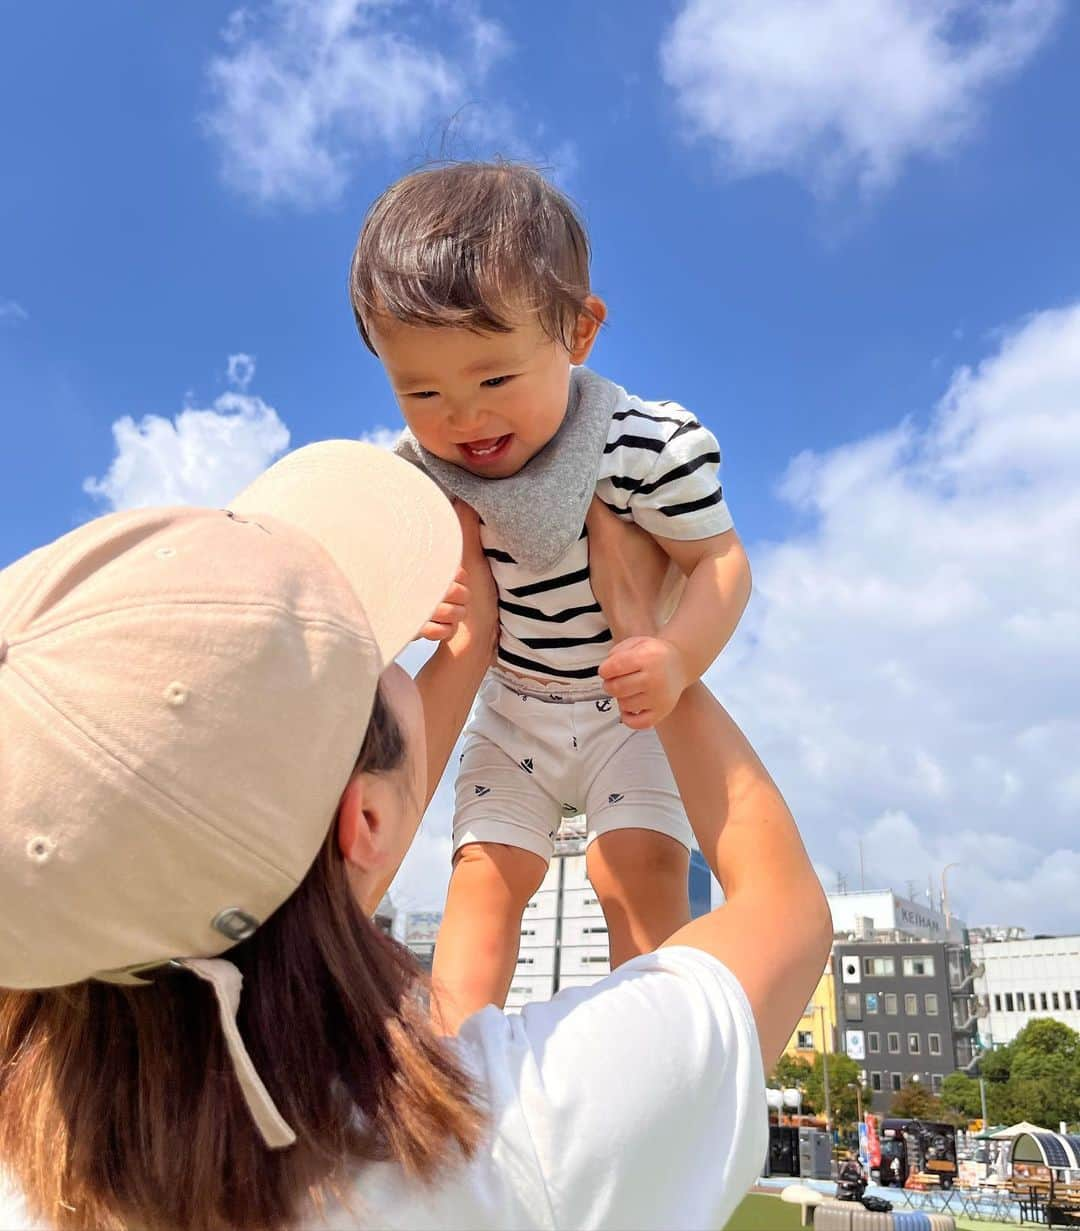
point(841, 883)
point(862, 870)
point(911, 890)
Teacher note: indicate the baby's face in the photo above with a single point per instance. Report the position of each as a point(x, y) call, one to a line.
point(487, 402)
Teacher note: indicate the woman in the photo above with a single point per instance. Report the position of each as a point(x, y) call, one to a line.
point(210, 775)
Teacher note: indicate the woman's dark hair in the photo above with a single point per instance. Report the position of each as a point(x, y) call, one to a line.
point(471, 244)
point(119, 1108)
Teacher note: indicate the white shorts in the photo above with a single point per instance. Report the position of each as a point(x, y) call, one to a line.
point(535, 754)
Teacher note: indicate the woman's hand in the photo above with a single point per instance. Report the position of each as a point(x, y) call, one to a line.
point(627, 568)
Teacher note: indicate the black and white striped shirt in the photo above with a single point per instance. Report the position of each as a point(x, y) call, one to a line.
point(661, 468)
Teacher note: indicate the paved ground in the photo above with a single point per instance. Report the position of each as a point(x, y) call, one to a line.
point(764, 1211)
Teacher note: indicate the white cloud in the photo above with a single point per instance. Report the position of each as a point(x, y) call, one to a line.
point(305, 89)
point(909, 668)
point(384, 437)
point(12, 312)
point(832, 91)
point(241, 370)
point(201, 456)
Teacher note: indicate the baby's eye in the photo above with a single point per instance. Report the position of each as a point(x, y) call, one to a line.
point(494, 382)
point(424, 394)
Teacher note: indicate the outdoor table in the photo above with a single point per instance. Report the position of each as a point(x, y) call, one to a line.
point(992, 1201)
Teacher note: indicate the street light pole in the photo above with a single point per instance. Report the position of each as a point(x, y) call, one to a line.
point(986, 1123)
point(825, 1067)
point(945, 895)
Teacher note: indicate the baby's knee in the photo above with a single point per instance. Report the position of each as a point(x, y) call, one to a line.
point(630, 862)
point(498, 871)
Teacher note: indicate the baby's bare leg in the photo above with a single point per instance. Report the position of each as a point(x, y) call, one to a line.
point(640, 877)
point(481, 928)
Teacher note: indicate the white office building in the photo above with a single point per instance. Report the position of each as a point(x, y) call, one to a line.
point(1025, 979)
point(564, 939)
point(863, 913)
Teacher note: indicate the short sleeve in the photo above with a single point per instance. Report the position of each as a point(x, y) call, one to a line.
point(682, 497)
point(644, 1095)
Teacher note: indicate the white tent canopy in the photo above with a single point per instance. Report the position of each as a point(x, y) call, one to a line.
point(1017, 1130)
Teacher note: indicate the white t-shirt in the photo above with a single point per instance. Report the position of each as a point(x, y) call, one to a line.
point(636, 1103)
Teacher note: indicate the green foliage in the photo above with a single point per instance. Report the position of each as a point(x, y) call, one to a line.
point(1036, 1077)
point(790, 1071)
point(960, 1093)
point(809, 1077)
point(915, 1102)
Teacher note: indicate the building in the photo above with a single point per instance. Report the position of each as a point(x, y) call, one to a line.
point(1024, 979)
point(906, 1010)
point(816, 1030)
point(866, 912)
point(564, 937)
point(385, 914)
point(421, 932)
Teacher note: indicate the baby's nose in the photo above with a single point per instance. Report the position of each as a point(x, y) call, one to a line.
point(468, 420)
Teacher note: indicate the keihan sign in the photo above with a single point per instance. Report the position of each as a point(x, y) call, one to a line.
point(916, 919)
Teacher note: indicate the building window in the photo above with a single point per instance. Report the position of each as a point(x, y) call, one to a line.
point(853, 1006)
point(1068, 1001)
point(1020, 1001)
point(935, 1082)
point(874, 1041)
point(890, 1003)
point(871, 1002)
point(931, 1004)
point(1057, 1002)
point(875, 1081)
point(894, 1044)
point(884, 966)
point(896, 1081)
point(1008, 1002)
point(911, 1005)
point(805, 1040)
point(997, 1002)
point(913, 1045)
point(918, 966)
point(1042, 998)
point(935, 1045)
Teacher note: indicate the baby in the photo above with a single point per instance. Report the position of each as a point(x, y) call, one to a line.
point(470, 283)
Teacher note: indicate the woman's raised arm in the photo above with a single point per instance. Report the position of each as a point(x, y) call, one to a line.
point(774, 930)
point(448, 681)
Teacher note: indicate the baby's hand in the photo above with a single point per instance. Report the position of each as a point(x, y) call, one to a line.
point(450, 612)
point(647, 676)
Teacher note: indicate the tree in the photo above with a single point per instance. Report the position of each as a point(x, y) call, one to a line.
point(794, 1071)
point(789, 1071)
point(843, 1076)
point(961, 1099)
point(1036, 1077)
point(915, 1102)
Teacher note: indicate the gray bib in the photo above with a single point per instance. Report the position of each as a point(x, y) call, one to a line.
point(540, 511)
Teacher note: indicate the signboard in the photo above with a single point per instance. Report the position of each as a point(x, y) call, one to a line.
point(855, 1044)
point(864, 1147)
point(873, 1144)
point(871, 1002)
point(422, 926)
point(851, 968)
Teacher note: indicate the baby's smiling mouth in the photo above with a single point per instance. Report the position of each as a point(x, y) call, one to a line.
point(486, 450)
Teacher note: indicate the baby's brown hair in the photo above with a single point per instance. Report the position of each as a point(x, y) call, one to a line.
point(472, 244)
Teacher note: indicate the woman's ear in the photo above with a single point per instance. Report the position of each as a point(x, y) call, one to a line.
point(355, 831)
point(586, 327)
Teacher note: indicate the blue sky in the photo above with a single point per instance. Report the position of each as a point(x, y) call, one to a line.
point(844, 235)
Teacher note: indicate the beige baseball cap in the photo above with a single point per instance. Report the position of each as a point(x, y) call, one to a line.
point(183, 694)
